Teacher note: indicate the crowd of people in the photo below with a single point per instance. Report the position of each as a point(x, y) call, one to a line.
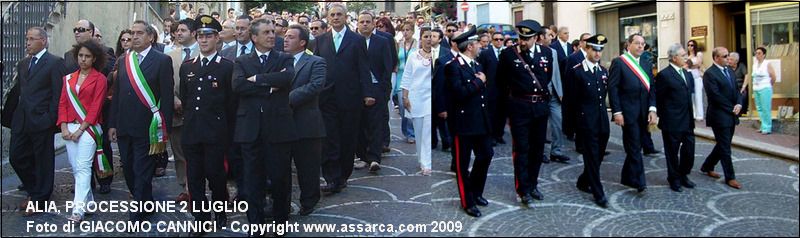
point(483, 83)
point(238, 99)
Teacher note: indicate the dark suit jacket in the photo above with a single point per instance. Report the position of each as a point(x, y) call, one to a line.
point(392, 46)
point(562, 58)
point(307, 84)
point(257, 106)
point(348, 70)
point(40, 91)
point(722, 97)
point(206, 112)
point(627, 94)
point(158, 47)
point(439, 90)
point(674, 100)
point(489, 63)
point(128, 114)
point(468, 113)
point(278, 44)
point(380, 64)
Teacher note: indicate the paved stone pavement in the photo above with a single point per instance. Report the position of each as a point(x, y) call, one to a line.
point(766, 206)
point(394, 195)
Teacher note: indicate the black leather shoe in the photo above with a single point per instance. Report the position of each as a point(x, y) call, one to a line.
point(304, 211)
point(652, 152)
point(104, 189)
point(545, 159)
point(526, 199)
point(500, 140)
point(586, 189)
point(559, 158)
point(606, 153)
point(331, 188)
point(602, 202)
point(687, 183)
point(641, 189)
point(21, 187)
point(675, 187)
point(473, 211)
point(535, 194)
point(481, 201)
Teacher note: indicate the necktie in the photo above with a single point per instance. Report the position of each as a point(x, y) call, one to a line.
point(33, 62)
point(264, 61)
point(472, 64)
point(594, 70)
point(496, 53)
point(205, 62)
point(337, 41)
point(139, 57)
point(187, 52)
point(682, 76)
point(242, 52)
point(727, 77)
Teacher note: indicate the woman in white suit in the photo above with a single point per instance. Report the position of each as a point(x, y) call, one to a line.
point(416, 86)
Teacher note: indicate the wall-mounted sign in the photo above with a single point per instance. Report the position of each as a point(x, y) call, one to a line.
point(699, 31)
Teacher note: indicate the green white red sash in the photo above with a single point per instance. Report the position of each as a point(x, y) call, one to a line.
point(101, 164)
point(628, 59)
point(158, 127)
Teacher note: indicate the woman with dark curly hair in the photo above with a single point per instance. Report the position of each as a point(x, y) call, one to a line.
point(79, 116)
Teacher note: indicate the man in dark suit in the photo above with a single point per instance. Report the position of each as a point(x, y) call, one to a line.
point(589, 93)
point(308, 82)
point(395, 60)
point(449, 32)
point(131, 113)
point(633, 104)
point(34, 119)
point(525, 70)
point(674, 87)
point(562, 47)
point(343, 98)
point(265, 128)
point(380, 62)
point(441, 56)
point(724, 106)
point(488, 58)
point(205, 90)
point(244, 45)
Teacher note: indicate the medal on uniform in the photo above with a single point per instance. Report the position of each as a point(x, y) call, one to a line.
point(190, 76)
point(213, 83)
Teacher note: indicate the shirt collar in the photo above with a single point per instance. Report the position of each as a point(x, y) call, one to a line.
point(192, 47)
point(209, 57)
point(249, 45)
point(298, 55)
point(466, 58)
point(39, 55)
point(589, 66)
point(676, 67)
point(562, 42)
point(722, 68)
point(344, 29)
point(144, 52)
point(259, 54)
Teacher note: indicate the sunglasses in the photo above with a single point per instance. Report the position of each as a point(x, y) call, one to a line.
point(724, 56)
point(691, 45)
point(125, 39)
point(314, 28)
point(450, 30)
point(498, 39)
point(79, 30)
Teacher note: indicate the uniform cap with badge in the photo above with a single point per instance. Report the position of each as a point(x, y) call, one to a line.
point(466, 36)
point(597, 42)
point(528, 28)
point(207, 25)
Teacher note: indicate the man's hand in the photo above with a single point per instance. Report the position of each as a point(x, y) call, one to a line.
point(481, 76)
point(619, 120)
point(737, 109)
point(112, 134)
point(443, 115)
point(252, 79)
point(652, 118)
point(369, 101)
point(178, 106)
point(407, 104)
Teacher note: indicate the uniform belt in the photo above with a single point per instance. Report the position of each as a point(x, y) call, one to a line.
point(533, 98)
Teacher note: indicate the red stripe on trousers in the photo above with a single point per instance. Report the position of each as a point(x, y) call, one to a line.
point(458, 174)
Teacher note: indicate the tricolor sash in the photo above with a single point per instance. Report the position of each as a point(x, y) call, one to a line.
point(628, 59)
point(158, 127)
point(101, 164)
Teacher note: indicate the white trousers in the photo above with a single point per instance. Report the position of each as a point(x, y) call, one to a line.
point(81, 156)
point(699, 109)
point(422, 132)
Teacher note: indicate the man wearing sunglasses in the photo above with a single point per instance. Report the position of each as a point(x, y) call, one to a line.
point(85, 30)
point(489, 58)
point(449, 31)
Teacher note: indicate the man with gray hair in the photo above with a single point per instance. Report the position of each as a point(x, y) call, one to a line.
point(228, 34)
point(674, 87)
